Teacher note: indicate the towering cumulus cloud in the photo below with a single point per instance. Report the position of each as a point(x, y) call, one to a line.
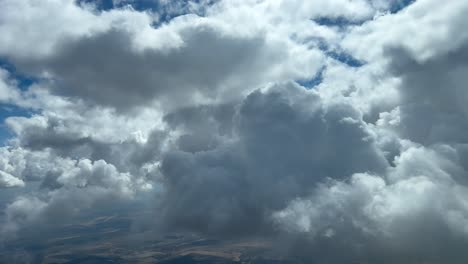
point(336, 129)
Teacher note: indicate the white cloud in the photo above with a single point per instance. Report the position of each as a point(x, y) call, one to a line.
point(8, 180)
point(415, 207)
point(8, 91)
point(418, 28)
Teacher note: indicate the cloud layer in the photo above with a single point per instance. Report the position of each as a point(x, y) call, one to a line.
point(337, 128)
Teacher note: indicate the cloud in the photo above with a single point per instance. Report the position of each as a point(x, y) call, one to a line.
point(285, 142)
point(8, 180)
point(8, 93)
point(69, 188)
point(208, 65)
point(433, 108)
point(196, 109)
point(425, 34)
point(54, 134)
point(388, 218)
point(189, 60)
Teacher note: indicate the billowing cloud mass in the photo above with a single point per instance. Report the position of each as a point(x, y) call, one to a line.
point(336, 128)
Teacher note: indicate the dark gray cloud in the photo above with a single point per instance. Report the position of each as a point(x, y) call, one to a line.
point(202, 127)
point(106, 69)
point(414, 211)
point(285, 143)
point(433, 107)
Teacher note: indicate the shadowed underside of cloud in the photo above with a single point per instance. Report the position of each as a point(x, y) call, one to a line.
point(434, 107)
point(105, 70)
point(285, 143)
point(200, 118)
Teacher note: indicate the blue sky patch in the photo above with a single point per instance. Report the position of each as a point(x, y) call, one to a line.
point(314, 81)
point(8, 110)
point(339, 55)
point(337, 21)
point(344, 22)
point(400, 5)
point(165, 12)
point(23, 80)
point(101, 5)
point(345, 58)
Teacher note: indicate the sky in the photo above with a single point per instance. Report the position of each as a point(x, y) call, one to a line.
point(340, 124)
